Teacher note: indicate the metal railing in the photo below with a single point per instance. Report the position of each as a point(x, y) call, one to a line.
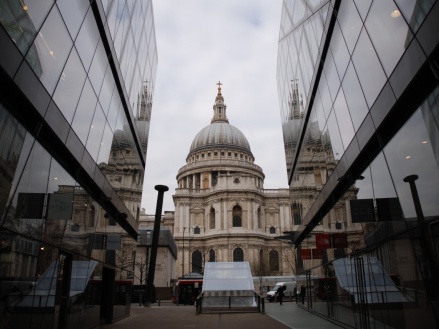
point(230, 304)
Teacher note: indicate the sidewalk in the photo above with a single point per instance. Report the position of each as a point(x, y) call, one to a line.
point(295, 317)
point(170, 316)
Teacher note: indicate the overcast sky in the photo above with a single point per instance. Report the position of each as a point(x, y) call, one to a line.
point(201, 42)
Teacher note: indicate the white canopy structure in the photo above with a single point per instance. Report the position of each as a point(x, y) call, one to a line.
point(367, 281)
point(228, 284)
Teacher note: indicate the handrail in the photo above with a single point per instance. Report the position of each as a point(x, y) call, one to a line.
point(229, 303)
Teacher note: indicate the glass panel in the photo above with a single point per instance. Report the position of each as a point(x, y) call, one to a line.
point(354, 97)
point(124, 151)
point(12, 138)
point(414, 11)
point(411, 152)
point(363, 7)
point(70, 85)
point(26, 201)
point(121, 25)
point(381, 179)
point(57, 122)
point(335, 138)
point(23, 156)
point(126, 59)
point(106, 4)
point(94, 139)
point(383, 104)
point(61, 188)
point(408, 66)
point(332, 78)
point(142, 50)
point(389, 33)
point(98, 67)
point(318, 111)
point(107, 90)
point(73, 13)
point(105, 148)
point(339, 51)
point(364, 58)
point(299, 13)
point(306, 66)
point(350, 23)
point(84, 113)
point(115, 110)
point(23, 20)
point(137, 24)
point(344, 119)
point(53, 45)
point(75, 146)
point(326, 98)
point(87, 40)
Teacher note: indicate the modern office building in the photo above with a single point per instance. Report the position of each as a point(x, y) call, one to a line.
point(77, 82)
point(358, 86)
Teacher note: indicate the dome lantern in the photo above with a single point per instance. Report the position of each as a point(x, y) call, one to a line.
point(220, 134)
point(219, 108)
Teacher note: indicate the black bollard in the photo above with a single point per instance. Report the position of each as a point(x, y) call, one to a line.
point(155, 241)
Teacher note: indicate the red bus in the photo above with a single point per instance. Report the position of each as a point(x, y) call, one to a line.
point(187, 290)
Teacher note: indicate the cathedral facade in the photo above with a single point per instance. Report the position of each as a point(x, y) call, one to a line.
point(222, 211)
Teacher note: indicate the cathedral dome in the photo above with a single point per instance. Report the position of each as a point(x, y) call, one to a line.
point(220, 134)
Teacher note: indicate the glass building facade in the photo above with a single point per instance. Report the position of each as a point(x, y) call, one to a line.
point(77, 82)
point(358, 85)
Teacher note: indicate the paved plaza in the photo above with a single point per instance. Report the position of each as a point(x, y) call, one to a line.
point(170, 316)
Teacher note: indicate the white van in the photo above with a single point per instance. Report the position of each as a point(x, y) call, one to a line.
point(289, 291)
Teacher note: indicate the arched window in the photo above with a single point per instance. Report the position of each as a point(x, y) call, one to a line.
point(237, 215)
point(259, 218)
point(272, 230)
point(238, 255)
point(274, 260)
point(212, 219)
point(91, 217)
point(196, 261)
point(297, 213)
point(196, 230)
point(211, 255)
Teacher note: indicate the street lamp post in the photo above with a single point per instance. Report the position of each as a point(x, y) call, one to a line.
point(147, 244)
point(155, 241)
point(182, 263)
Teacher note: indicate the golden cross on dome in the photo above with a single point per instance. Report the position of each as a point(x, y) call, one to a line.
point(219, 85)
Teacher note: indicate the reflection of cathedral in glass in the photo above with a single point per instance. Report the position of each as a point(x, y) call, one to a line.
point(314, 165)
point(75, 107)
point(124, 171)
point(361, 148)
